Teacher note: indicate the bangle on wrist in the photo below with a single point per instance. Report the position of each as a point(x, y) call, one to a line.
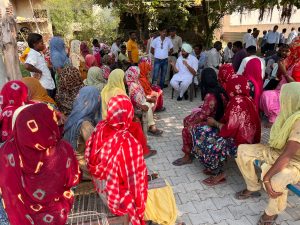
point(266, 181)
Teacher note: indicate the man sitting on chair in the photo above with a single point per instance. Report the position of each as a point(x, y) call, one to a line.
point(186, 68)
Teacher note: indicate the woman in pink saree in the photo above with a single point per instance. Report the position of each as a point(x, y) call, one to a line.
point(288, 71)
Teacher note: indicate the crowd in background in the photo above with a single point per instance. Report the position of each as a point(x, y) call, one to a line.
point(80, 116)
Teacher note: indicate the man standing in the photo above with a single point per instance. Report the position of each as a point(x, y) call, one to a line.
point(133, 49)
point(201, 56)
point(228, 53)
point(282, 37)
point(186, 68)
point(239, 54)
point(214, 57)
point(115, 48)
point(263, 42)
point(292, 36)
point(252, 40)
point(272, 39)
point(246, 36)
point(177, 44)
point(37, 65)
point(161, 48)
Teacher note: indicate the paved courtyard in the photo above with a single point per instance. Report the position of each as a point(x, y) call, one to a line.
point(197, 203)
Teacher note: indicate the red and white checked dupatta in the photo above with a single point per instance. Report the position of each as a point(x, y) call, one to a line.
point(114, 156)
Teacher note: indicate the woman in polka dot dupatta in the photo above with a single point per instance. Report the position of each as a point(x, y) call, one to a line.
point(38, 170)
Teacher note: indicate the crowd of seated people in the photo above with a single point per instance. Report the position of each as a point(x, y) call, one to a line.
point(82, 125)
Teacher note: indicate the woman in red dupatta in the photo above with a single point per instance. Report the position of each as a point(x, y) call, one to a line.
point(145, 66)
point(14, 94)
point(38, 169)
point(226, 72)
point(213, 144)
point(114, 157)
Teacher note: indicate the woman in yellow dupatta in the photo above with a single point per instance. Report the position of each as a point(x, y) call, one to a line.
point(280, 160)
point(115, 86)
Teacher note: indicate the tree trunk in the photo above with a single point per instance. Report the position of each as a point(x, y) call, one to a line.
point(208, 36)
point(138, 25)
point(9, 45)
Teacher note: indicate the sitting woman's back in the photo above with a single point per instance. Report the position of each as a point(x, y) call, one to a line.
point(38, 169)
point(115, 158)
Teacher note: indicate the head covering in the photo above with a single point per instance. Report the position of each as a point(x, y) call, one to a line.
point(289, 114)
point(58, 53)
point(38, 169)
point(187, 48)
point(136, 91)
point(90, 61)
point(24, 55)
point(14, 94)
point(69, 84)
point(106, 71)
point(86, 107)
point(115, 157)
point(75, 55)
point(241, 119)
point(95, 78)
point(294, 53)
point(209, 84)
point(115, 86)
point(145, 68)
point(84, 49)
point(106, 60)
point(36, 91)
point(226, 71)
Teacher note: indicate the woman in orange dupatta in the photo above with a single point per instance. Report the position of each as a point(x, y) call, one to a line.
point(151, 91)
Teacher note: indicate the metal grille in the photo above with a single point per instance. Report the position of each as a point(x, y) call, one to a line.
point(87, 208)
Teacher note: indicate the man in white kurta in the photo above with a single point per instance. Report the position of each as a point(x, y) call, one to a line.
point(186, 68)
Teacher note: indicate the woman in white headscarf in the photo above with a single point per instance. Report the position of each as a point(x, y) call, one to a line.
point(77, 59)
point(185, 68)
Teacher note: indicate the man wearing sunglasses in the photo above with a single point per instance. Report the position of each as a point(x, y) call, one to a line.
point(161, 48)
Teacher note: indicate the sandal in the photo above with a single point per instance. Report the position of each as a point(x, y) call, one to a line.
point(153, 176)
point(150, 154)
point(241, 195)
point(267, 222)
point(208, 172)
point(211, 182)
point(181, 162)
point(156, 132)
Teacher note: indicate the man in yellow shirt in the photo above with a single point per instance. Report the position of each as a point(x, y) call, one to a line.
point(132, 49)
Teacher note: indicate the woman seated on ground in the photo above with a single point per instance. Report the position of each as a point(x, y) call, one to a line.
point(14, 94)
point(77, 59)
point(115, 160)
point(70, 83)
point(288, 71)
point(95, 78)
point(281, 158)
point(215, 100)
point(150, 90)
point(115, 86)
point(140, 100)
point(38, 170)
point(36, 92)
point(90, 61)
point(80, 124)
point(110, 60)
point(225, 74)
point(214, 143)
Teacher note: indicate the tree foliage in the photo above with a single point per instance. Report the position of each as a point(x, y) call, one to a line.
point(83, 18)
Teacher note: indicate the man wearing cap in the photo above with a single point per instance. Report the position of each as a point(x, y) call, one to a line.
point(186, 68)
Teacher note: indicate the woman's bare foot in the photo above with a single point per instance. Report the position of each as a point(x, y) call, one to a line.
point(182, 161)
point(215, 180)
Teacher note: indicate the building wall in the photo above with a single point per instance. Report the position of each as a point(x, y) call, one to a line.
point(22, 7)
point(234, 26)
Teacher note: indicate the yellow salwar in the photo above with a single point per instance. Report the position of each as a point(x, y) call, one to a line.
point(247, 154)
point(286, 128)
point(161, 206)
